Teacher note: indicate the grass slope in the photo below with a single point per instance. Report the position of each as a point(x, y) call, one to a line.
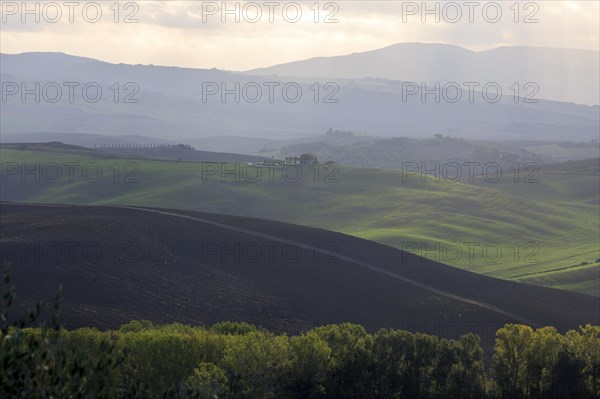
point(542, 233)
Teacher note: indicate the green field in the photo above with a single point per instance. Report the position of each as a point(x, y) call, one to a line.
point(544, 233)
point(555, 150)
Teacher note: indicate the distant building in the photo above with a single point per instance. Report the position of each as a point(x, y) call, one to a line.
point(291, 160)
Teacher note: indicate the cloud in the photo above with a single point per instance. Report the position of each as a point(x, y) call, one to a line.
point(191, 33)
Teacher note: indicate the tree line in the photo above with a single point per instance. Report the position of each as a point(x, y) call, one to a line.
point(239, 360)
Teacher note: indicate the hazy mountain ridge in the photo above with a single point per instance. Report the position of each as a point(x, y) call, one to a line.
point(170, 106)
point(578, 69)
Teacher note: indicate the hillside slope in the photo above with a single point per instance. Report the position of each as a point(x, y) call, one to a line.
point(118, 264)
point(538, 227)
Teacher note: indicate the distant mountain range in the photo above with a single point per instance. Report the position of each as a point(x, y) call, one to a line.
point(562, 74)
point(174, 104)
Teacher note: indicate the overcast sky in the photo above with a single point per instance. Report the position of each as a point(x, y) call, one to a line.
point(192, 33)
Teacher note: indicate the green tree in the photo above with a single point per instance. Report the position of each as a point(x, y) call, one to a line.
point(389, 349)
point(568, 377)
point(233, 328)
point(467, 376)
point(208, 381)
point(541, 358)
point(136, 326)
point(308, 159)
point(590, 351)
point(160, 358)
point(509, 363)
point(310, 365)
point(258, 365)
point(444, 366)
point(418, 366)
point(350, 359)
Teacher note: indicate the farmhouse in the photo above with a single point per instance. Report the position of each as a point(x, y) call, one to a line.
point(291, 160)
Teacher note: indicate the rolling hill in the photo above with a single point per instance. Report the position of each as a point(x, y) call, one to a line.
point(118, 263)
point(544, 232)
point(171, 152)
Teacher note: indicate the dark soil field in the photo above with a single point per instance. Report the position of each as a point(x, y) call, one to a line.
point(116, 264)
